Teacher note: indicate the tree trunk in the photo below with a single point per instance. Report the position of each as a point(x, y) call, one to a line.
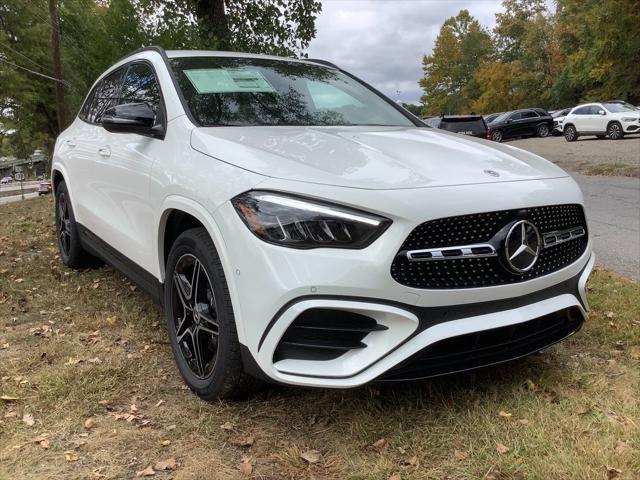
point(57, 66)
point(213, 19)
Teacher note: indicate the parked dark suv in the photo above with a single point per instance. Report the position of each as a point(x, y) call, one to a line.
point(529, 122)
point(473, 125)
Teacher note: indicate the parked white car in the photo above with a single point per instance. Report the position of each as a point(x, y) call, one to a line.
point(299, 226)
point(6, 180)
point(558, 120)
point(612, 119)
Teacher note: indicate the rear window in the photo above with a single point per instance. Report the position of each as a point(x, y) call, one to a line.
point(465, 126)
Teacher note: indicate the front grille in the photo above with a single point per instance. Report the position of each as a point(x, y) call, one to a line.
point(480, 228)
point(487, 347)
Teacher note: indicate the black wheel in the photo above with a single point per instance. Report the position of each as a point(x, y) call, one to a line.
point(570, 133)
point(496, 136)
point(71, 251)
point(200, 318)
point(614, 130)
point(543, 131)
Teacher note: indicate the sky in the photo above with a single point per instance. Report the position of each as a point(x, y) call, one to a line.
point(383, 41)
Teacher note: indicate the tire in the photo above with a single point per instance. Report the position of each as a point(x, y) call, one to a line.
point(212, 365)
point(614, 130)
point(69, 245)
point(543, 131)
point(570, 133)
point(496, 136)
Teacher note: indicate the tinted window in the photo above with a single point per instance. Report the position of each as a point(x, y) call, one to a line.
point(516, 116)
point(594, 109)
point(84, 111)
point(140, 86)
point(105, 96)
point(467, 126)
point(582, 110)
point(259, 91)
point(529, 114)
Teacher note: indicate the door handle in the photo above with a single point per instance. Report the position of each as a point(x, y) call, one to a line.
point(104, 151)
point(70, 143)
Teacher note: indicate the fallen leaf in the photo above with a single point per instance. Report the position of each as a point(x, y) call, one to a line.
point(71, 456)
point(523, 421)
point(610, 315)
point(28, 419)
point(613, 472)
point(501, 449)
point(529, 385)
point(42, 441)
point(380, 445)
point(244, 441)
point(621, 447)
point(583, 410)
point(168, 464)
point(89, 423)
point(460, 455)
point(227, 426)
point(311, 456)
point(504, 414)
point(147, 472)
point(245, 468)
point(411, 462)
point(165, 443)
point(395, 476)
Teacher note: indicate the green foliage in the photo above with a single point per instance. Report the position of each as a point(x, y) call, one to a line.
point(96, 33)
point(460, 47)
point(413, 108)
point(581, 50)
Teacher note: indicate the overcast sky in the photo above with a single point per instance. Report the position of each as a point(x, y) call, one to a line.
point(383, 41)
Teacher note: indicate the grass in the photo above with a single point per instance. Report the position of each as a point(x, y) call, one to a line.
point(611, 169)
point(88, 344)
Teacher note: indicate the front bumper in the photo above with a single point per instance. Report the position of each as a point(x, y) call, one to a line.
point(271, 286)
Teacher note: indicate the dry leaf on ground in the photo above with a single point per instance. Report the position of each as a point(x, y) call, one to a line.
point(147, 472)
point(501, 449)
point(311, 456)
point(167, 464)
point(28, 419)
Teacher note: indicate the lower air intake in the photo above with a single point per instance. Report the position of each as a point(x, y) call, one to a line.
point(324, 334)
point(487, 347)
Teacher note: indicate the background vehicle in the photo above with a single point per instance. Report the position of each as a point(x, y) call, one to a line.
point(529, 122)
point(491, 117)
point(558, 120)
point(300, 227)
point(473, 125)
point(44, 188)
point(6, 180)
point(612, 119)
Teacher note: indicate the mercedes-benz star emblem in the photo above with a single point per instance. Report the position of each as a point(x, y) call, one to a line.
point(491, 173)
point(522, 246)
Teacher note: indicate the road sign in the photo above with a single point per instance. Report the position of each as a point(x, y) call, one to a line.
point(19, 176)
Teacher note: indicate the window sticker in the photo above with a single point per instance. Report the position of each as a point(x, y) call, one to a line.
point(222, 80)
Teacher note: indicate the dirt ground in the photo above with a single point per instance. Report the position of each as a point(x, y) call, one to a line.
point(588, 155)
point(89, 390)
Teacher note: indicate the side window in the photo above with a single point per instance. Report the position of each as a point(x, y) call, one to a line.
point(141, 86)
point(515, 116)
point(594, 109)
point(582, 111)
point(105, 96)
point(529, 114)
point(84, 111)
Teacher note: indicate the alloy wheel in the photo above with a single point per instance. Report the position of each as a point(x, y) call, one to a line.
point(543, 131)
point(614, 131)
point(496, 136)
point(195, 315)
point(63, 224)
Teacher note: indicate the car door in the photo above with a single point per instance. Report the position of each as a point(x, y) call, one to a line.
point(124, 211)
point(82, 147)
point(528, 124)
point(597, 122)
point(580, 118)
point(512, 125)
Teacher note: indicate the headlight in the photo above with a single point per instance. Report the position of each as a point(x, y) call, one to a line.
point(299, 222)
point(628, 119)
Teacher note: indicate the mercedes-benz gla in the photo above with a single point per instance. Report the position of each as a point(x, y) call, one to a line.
point(301, 227)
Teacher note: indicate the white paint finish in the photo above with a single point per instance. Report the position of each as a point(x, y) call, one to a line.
point(409, 175)
point(369, 157)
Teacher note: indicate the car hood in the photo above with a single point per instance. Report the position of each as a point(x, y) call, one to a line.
point(370, 157)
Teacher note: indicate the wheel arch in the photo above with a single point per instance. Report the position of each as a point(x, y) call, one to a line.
point(181, 213)
point(58, 175)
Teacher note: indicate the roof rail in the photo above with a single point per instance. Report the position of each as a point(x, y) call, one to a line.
point(151, 48)
point(322, 62)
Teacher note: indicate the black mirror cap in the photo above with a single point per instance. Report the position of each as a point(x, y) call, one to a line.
point(135, 118)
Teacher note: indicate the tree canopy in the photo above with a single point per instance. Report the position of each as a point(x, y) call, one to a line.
point(536, 56)
point(96, 33)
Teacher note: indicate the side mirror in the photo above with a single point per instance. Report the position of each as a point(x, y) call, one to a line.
point(601, 112)
point(509, 120)
point(135, 118)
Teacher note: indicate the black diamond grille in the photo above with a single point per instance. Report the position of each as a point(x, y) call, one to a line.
point(480, 228)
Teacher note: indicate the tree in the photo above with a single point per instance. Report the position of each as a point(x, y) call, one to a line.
point(498, 85)
point(459, 49)
point(413, 108)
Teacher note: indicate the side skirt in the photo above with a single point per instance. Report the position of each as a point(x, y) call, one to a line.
point(134, 272)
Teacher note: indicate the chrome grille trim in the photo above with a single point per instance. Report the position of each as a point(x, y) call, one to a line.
point(479, 250)
point(560, 236)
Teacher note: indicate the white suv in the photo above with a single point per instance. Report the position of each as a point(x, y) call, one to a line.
point(300, 227)
point(612, 119)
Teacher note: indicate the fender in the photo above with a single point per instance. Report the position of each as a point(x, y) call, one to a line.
point(198, 211)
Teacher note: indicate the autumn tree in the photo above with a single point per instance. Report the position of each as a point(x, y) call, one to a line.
point(461, 46)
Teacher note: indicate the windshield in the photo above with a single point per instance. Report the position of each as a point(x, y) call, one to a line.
point(501, 118)
point(231, 91)
point(560, 113)
point(619, 107)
